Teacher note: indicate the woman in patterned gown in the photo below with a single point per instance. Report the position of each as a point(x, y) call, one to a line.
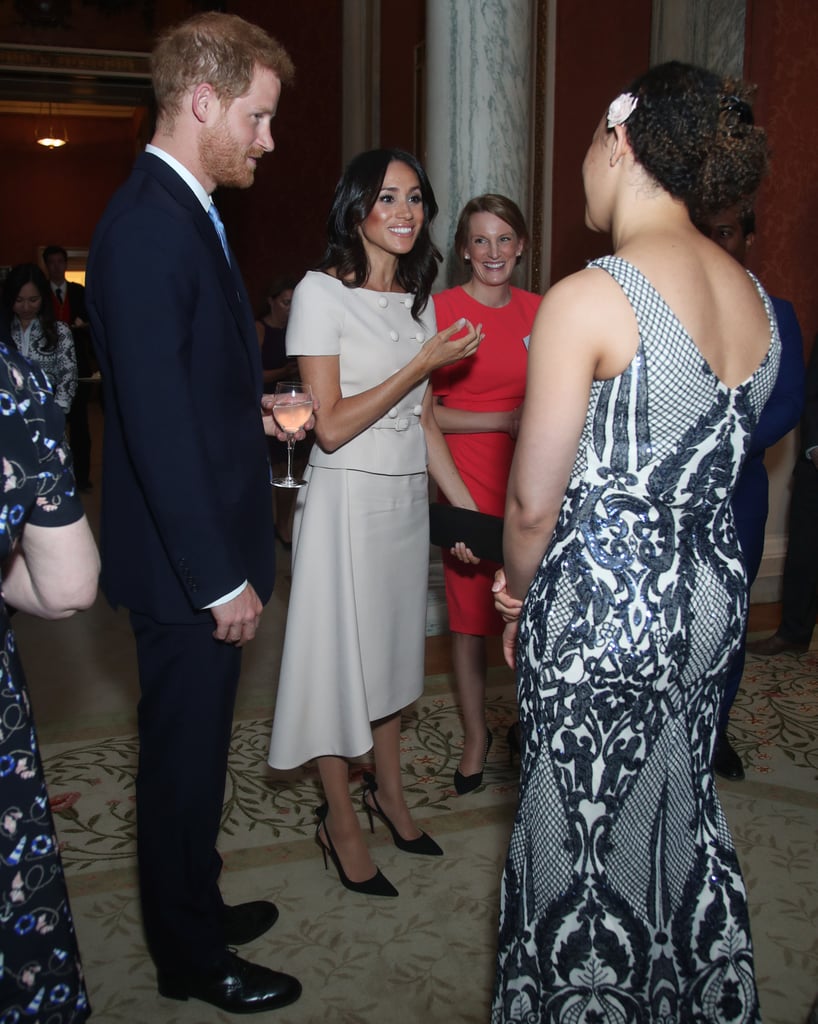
point(622, 896)
point(49, 568)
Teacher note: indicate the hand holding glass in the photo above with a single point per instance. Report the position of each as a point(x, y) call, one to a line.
point(292, 407)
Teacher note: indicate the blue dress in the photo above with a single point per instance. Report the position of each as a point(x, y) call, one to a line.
point(622, 896)
point(40, 972)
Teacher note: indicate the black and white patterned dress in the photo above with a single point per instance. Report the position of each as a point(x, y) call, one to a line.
point(622, 896)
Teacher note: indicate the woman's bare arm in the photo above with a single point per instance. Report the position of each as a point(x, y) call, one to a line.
point(53, 570)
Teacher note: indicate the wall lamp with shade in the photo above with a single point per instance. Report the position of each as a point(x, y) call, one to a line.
point(51, 139)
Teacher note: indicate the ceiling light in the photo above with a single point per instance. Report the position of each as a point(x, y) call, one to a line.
point(51, 139)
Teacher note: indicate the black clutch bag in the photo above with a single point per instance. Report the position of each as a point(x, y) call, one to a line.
point(480, 532)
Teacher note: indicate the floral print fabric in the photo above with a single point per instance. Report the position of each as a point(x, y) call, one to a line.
point(59, 363)
point(40, 971)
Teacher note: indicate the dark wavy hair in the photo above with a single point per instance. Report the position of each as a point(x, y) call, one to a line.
point(30, 273)
point(694, 133)
point(355, 195)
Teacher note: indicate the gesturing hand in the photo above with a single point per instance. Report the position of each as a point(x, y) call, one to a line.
point(443, 349)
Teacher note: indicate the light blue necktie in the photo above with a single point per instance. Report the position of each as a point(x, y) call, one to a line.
point(213, 214)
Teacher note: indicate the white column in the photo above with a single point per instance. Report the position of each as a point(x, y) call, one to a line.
point(478, 97)
point(709, 33)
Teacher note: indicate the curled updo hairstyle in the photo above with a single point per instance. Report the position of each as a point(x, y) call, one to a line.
point(491, 202)
point(693, 132)
point(355, 195)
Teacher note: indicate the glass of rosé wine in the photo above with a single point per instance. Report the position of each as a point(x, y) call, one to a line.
point(292, 407)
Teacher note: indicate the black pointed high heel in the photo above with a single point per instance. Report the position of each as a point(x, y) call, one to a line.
point(424, 844)
point(466, 783)
point(513, 740)
point(377, 885)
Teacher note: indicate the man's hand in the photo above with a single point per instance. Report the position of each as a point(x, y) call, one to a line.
point(272, 429)
point(237, 620)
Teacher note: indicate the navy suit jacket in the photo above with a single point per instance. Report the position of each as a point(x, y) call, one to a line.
point(186, 502)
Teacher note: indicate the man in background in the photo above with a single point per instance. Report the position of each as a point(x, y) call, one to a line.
point(68, 298)
point(187, 536)
point(734, 230)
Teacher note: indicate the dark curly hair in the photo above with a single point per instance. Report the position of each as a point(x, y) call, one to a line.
point(693, 132)
point(355, 195)
point(30, 273)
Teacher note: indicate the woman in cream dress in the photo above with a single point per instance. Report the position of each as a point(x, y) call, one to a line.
point(366, 341)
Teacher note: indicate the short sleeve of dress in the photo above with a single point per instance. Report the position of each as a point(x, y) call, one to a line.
point(37, 473)
point(316, 316)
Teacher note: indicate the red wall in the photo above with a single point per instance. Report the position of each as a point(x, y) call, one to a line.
point(596, 58)
point(782, 59)
point(403, 28)
point(279, 225)
point(56, 196)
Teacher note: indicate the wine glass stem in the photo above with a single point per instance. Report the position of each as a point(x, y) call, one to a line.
point(290, 446)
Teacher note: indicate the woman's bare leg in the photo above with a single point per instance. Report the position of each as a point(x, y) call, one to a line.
point(386, 735)
point(342, 821)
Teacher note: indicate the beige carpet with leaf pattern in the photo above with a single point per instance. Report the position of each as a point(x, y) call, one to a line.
point(427, 956)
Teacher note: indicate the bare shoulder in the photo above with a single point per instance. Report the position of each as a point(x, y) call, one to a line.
point(588, 313)
point(588, 296)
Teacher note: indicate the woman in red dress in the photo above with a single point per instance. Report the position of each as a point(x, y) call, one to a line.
point(478, 407)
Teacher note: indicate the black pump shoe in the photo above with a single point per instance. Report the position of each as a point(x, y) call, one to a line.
point(424, 844)
point(726, 761)
point(466, 783)
point(377, 885)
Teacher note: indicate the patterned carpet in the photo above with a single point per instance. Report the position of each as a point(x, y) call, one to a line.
point(427, 956)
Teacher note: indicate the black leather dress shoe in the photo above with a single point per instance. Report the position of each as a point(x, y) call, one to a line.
point(234, 985)
point(776, 644)
point(247, 921)
point(726, 761)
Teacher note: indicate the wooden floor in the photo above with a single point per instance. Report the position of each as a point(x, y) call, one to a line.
point(763, 617)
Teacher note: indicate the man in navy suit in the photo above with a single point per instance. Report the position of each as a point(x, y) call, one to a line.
point(187, 538)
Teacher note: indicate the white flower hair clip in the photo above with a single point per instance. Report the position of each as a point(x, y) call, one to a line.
point(621, 109)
